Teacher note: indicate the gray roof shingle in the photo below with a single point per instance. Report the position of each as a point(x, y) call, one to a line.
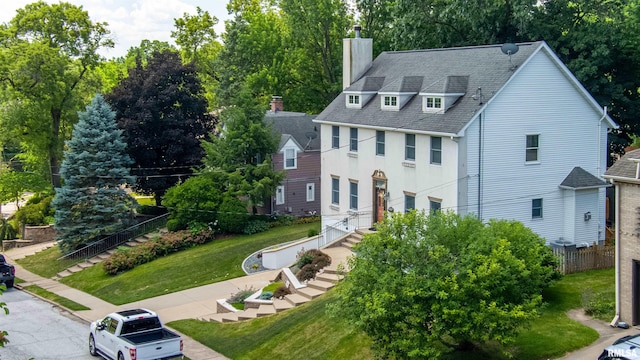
point(580, 178)
point(297, 125)
point(624, 167)
point(460, 70)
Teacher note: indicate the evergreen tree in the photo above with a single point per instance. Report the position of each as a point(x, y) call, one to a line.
point(92, 201)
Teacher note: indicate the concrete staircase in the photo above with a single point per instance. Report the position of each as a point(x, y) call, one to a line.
point(315, 288)
point(354, 238)
point(105, 255)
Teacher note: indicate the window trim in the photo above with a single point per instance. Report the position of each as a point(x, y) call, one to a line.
point(353, 141)
point(280, 195)
point(380, 142)
point(537, 211)
point(335, 137)
point(294, 158)
point(311, 192)
point(335, 190)
point(435, 150)
point(353, 99)
point(407, 147)
point(535, 148)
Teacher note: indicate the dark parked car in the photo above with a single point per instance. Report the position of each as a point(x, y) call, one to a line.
point(625, 348)
point(7, 272)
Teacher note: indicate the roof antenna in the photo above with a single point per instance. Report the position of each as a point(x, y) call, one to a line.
point(510, 49)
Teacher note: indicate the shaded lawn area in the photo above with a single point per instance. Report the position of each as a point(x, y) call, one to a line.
point(216, 261)
point(307, 332)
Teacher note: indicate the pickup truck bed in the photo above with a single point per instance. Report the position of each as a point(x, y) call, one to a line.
point(152, 336)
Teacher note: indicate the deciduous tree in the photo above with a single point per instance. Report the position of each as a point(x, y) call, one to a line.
point(422, 282)
point(47, 51)
point(92, 201)
point(163, 113)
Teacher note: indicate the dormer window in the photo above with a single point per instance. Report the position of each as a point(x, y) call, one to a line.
point(354, 99)
point(434, 103)
point(390, 101)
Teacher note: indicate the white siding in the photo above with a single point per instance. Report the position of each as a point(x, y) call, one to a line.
point(538, 100)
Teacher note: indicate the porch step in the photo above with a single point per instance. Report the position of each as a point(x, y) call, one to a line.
point(266, 309)
point(281, 305)
point(309, 292)
point(296, 299)
point(320, 285)
point(329, 276)
point(247, 314)
point(224, 317)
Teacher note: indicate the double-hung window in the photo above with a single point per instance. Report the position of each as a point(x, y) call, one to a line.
point(436, 150)
point(353, 139)
point(532, 148)
point(311, 192)
point(410, 147)
point(290, 158)
point(335, 137)
point(353, 195)
point(380, 143)
point(536, 208)
point(409, 202)
point(335, 191)
point(434, 206)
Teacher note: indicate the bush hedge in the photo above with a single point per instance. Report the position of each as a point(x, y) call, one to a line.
point(127, 258)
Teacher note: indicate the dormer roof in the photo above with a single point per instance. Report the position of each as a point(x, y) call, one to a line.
point(403, 85)
point(366, 84)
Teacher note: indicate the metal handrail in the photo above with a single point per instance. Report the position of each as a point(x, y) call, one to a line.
point(117, 239)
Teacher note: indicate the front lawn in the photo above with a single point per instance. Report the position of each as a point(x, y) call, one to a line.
point(306, 331)
point(216, 261)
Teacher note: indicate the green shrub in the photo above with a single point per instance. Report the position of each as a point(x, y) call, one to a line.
point(151, 210)
point(307, 219)
point(304, 258)
point(255, 226)
point(240, 296)
point(127, 258)
point(232, 215)
point(321, 260)
point(597, 304)
point(312, 232)
point(7, 231)
point(281, 291)
point(196, 199)
point(307, 272)
point(175, 225)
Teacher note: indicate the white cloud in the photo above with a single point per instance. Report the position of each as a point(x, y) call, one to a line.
point(131, 21)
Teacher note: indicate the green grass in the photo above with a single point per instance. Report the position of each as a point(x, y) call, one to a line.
point(302, 332)
point(299, 331)
point(205, 264)
point(63, 301)
point(46, 263)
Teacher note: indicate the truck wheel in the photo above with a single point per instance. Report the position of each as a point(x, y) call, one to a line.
point(92, 346)
point(9, 284)
point(120, 356)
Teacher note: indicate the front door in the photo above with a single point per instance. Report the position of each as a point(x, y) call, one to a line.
point(379, 196)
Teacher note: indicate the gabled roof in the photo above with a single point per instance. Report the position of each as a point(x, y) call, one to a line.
point(295, 125)
point(461, 69)
point(626, 168)
point(579, 178)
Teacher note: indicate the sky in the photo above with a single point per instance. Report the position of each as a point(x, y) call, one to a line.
point(131, 21)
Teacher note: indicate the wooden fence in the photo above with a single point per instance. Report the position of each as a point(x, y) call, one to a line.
point(572, 260)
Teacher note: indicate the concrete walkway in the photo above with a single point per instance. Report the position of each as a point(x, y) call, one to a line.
point(192, 303)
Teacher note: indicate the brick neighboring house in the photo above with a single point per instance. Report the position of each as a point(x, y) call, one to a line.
point(299, 155)
point(625, 176)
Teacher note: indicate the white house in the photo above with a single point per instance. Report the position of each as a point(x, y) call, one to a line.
point(499, 131)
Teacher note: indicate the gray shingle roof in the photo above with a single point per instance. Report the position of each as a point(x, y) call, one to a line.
point(483, 67)
point(297, 125)
point(580, 178)
point(624, 167)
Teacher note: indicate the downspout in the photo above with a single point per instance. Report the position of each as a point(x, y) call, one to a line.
point(480, 138)
point(614, 322)
point(598, 173)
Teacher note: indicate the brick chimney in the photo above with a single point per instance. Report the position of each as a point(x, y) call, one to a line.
point(357, 55)
point(276, 103)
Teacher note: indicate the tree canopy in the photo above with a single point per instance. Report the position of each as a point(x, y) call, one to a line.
point(92, 201)
point(423, 281)
point(162, 110)
point(45, 54)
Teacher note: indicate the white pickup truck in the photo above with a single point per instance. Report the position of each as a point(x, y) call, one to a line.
point(134, 334)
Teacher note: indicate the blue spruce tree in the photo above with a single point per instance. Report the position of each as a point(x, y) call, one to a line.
point(92, 201)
